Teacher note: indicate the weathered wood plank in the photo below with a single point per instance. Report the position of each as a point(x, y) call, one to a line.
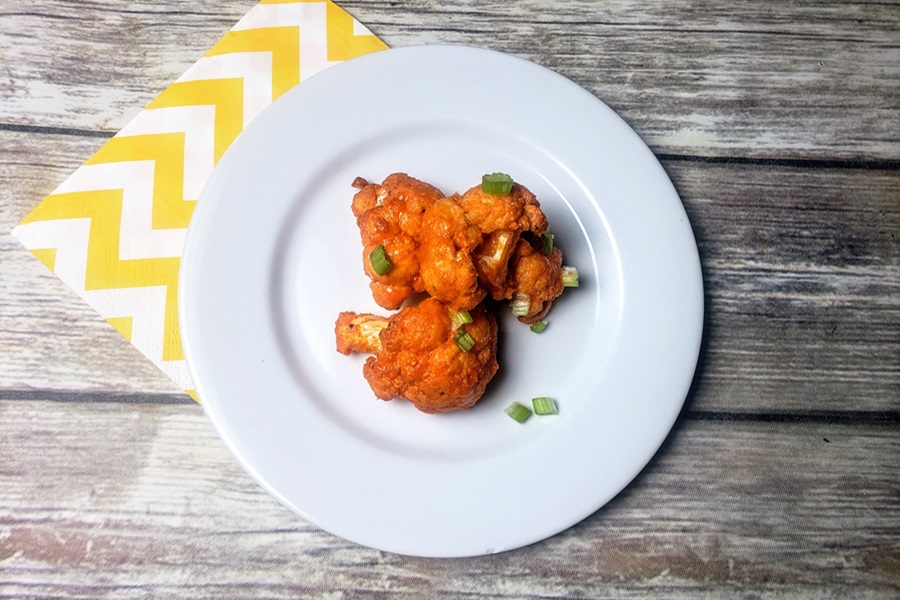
point(765, 79)
point(49, 338)
point(802, 276)
point(94, 65)
point(779, 481)
point(703, 78)
point(802, 270)
point(131, 501)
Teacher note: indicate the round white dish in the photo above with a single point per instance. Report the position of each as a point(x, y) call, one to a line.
point(273, 254)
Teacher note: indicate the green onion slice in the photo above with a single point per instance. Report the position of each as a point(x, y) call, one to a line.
point(521, 304)
point(496, 184)
point(539, 326)
point(381, 264)
point(518, 412)
point(547, 240)
point(544, 406)
point(465, 341)
point(570, 277)
point(461, 318)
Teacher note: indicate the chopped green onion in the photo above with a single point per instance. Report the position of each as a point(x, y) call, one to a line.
point(570, 277)
point(518, 412)
point(465, 341)
point(521, 304)
point(544, 406)
point(461, 318)
point(381, 264)
point(547, 239)
point(539, 326)
point(496, 184)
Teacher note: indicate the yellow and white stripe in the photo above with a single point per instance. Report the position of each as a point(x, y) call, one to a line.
point(115, 229)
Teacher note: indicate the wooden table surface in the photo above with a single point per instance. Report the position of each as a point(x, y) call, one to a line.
point(779, 124)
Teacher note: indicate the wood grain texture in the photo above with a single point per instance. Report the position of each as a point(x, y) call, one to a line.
point(94, 65)
point(704, 78)
point(801, 265)
point(50, 338)
point(771, 79)
point(802, 275)
point(776, 122)
point(143, 500)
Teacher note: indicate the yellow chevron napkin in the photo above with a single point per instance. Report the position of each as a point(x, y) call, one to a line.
point(115, 229)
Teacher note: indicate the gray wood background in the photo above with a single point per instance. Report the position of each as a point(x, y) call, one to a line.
point(778, 122)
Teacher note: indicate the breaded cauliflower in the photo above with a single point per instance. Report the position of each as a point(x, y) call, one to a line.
point(446, 244)
point(417, 357)
point(534, 277)
point(458, 249)
point(501, 219)
point(390, 215)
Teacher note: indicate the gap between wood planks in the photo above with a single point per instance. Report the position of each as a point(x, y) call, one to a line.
point(843, 417)
point(804, 163)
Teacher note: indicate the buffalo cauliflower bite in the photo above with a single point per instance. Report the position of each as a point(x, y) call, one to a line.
point(445, 255)
point(501, 219)
point(537, 277)
point(416, 355)
point(390, 215)
point(459, 250)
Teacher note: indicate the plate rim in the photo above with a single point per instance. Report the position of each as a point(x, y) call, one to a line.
point(210, 411)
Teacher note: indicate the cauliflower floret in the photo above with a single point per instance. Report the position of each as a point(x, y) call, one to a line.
point(359, 332)
point(445, 255)
point(390, 215)
point(517, 211)
point(536, 275)
point(501, 220)
point(457, 249)
point(416, 355)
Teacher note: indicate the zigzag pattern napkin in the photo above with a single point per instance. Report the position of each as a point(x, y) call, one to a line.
point(114, 230)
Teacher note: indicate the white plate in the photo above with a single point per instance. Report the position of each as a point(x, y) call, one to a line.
point(273, 255)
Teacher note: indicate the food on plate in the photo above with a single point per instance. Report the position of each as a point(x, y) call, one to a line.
point(501, 219)
point(445, 255)
point(437, 358)
point(389, 217)
point(542, 406)
point(458, 249)
point(518, 412)
point(464, 251)
point(535, 281)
